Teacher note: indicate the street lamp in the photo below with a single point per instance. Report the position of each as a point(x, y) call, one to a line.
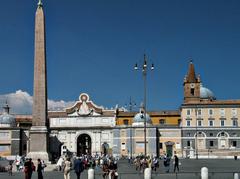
point(131, 105)
point(144, 72)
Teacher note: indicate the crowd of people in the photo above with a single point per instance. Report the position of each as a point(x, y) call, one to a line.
point(105, 164)
point(142, 162)
point(26, 165)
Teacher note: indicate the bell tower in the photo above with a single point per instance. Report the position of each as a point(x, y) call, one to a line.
point(191, 85)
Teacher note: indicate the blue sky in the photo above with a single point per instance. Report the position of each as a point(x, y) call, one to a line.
point(92, 46)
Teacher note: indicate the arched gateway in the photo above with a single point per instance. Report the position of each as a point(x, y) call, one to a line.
point(84, 144)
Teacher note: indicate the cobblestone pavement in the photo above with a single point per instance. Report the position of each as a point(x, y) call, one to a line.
point(189, 169)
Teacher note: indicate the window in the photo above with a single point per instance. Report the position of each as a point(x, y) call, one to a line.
point(222, 112)
point(162, 121)
point(234, 143)
point(125, 122)
point(222, 134)
point(211, 144)
point(222, 122)
point(188, 143)
point(188, 112)
point(192, 91)
point(199, 112)
point(188, 123)
point(210, 112)
point(211, 134)
point(234, 123)
point(210, 123)
point(200, 134)
point(188, 134)
point(199, 122)
point(234, 112)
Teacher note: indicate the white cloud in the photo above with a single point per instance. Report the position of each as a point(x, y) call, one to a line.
point(21, 102)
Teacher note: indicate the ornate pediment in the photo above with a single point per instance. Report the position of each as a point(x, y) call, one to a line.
point(84, 107)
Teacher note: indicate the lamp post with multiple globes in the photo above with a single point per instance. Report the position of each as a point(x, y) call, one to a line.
point(144, 68)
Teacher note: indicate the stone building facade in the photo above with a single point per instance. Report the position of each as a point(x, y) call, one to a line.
point(210, 127)
point(163, 133)
point(10, 134)
point(84, 128)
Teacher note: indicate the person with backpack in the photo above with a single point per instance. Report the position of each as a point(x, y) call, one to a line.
point(78, 167)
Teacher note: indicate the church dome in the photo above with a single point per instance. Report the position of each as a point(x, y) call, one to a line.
point(139, 119)
point(206, 93)
point(7, 120)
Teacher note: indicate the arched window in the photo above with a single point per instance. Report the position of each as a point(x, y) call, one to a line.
point(162, 121)
point(222, 134)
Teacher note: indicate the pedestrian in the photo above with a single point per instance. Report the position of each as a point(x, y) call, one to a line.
point(105, 170)
point(166, 163)
point(155, 164)
point(60, 164)
point(176, 163)
point(17, 161)
point(78, 167)
point(129, 159)
point(28, 168)
point(66, 168)
point(10, 167)
point(43, 165)
point(39, 169)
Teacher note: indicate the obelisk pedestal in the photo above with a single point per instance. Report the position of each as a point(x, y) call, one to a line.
point(38, 143)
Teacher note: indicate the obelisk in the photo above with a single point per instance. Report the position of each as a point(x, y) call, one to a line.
point(39, 129)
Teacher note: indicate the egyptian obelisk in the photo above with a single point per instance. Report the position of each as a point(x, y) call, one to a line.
point(39, 129)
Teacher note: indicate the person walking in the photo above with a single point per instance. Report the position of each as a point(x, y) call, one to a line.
point(10, 167)
point(78, 167)
point(28, 168)
point(17, 161)
point(105, 170)
point(166, 163)
point(67, 168)
point(176, 163)
point(155, 164)
point(39, 169)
